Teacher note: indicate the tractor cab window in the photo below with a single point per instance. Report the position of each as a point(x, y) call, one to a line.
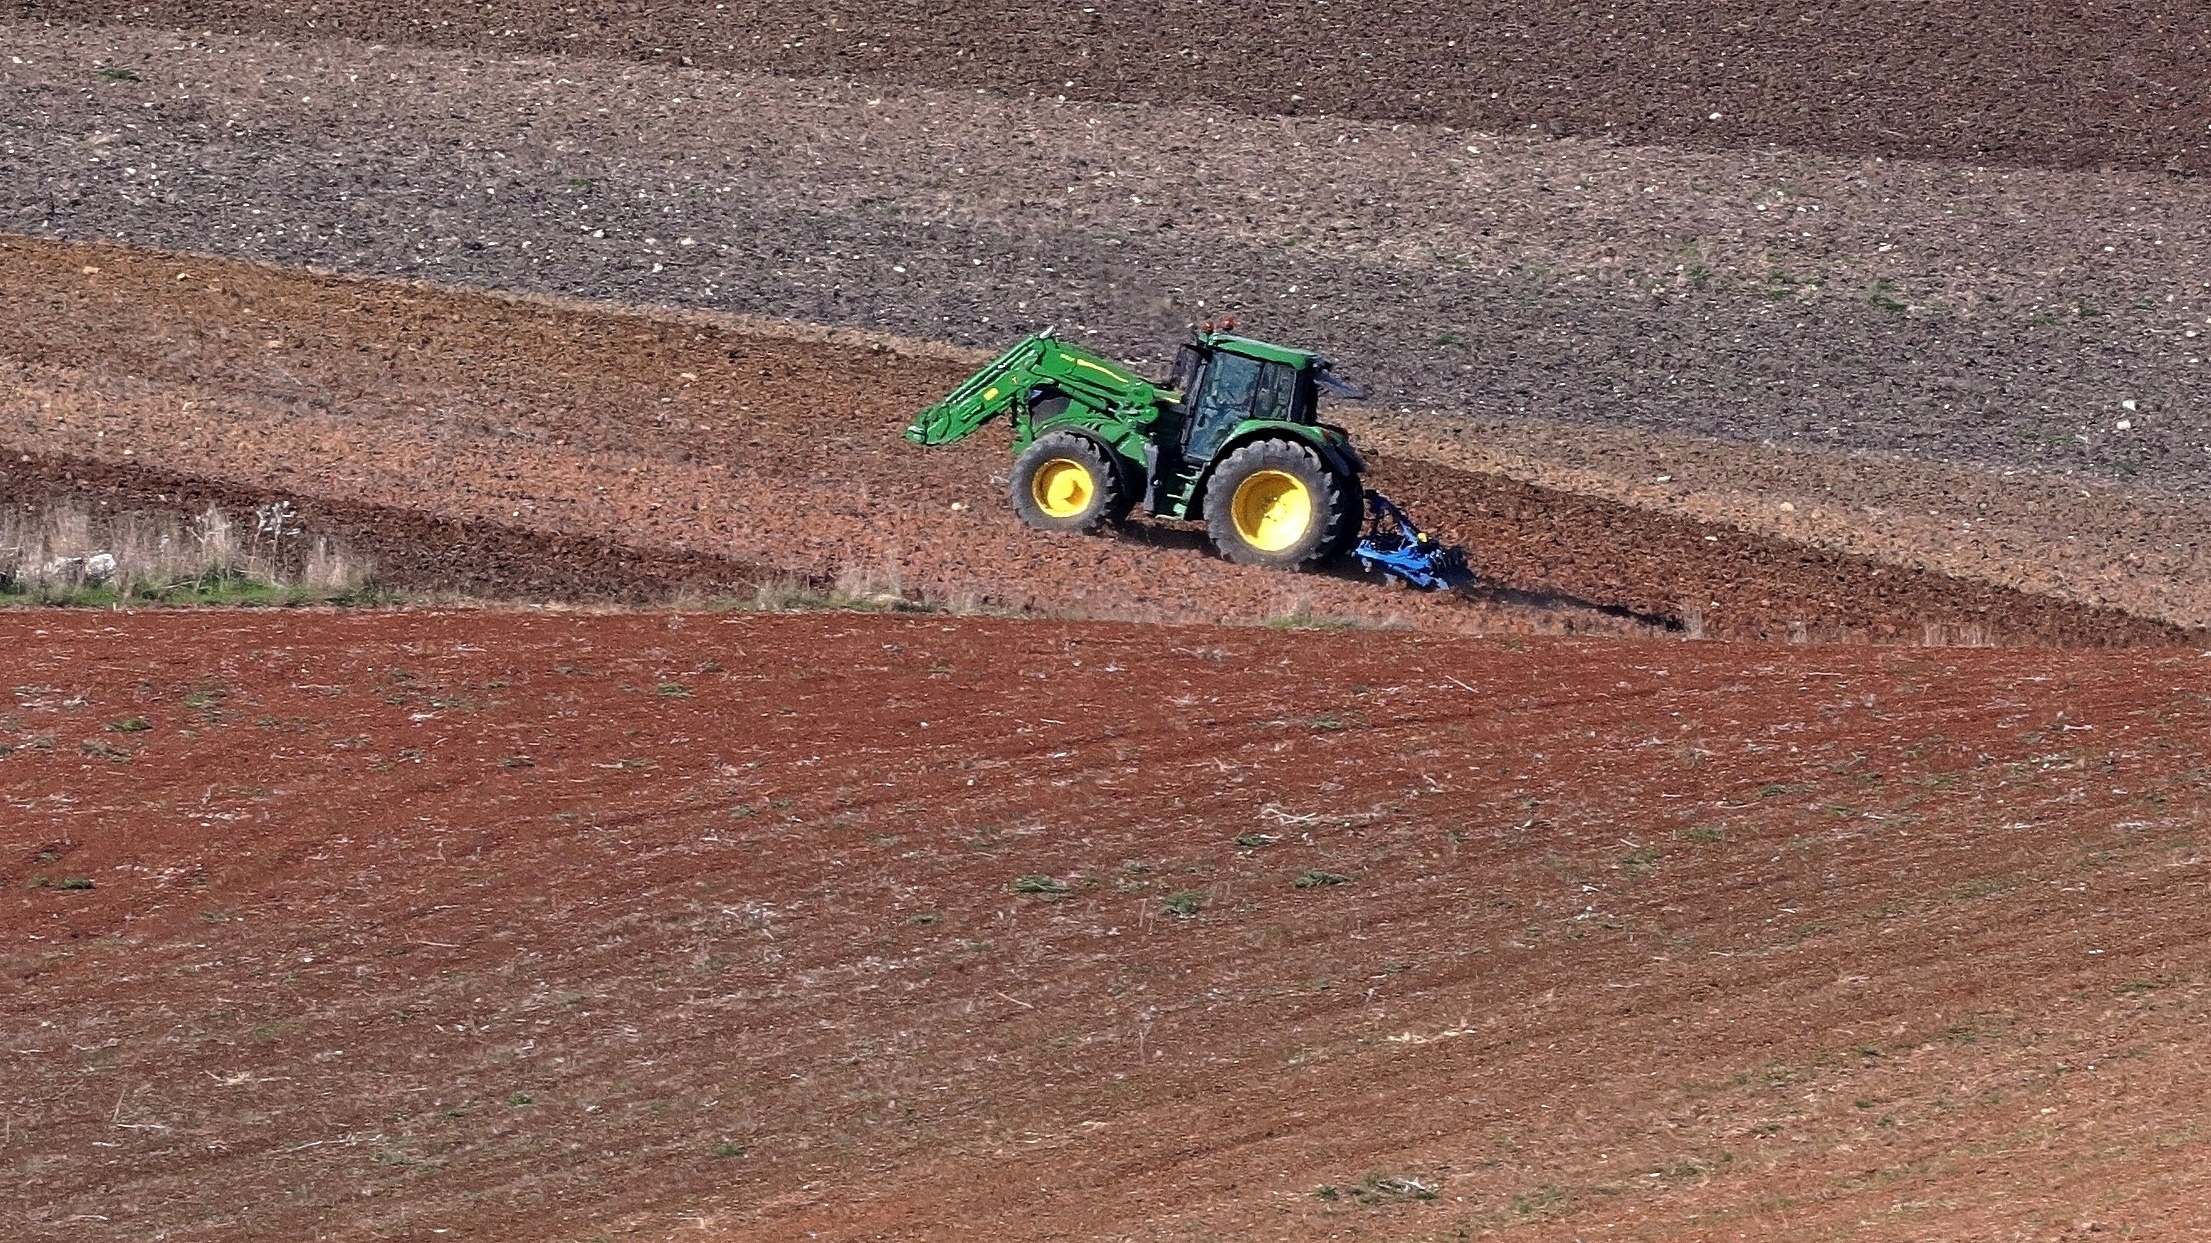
point(1276, 394)
point(1189, 366)
point(1235, 388)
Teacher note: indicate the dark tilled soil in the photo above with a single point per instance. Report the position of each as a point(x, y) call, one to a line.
point(2075, 85)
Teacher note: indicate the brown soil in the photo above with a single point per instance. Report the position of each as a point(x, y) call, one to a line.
point(2144, 552)
point(722, 451)
point(2021, 81)
point(1723, 581)
point(519, 927)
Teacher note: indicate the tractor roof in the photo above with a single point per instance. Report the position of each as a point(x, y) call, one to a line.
point(1264, 351)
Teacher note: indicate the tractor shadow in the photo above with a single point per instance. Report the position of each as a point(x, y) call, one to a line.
point(1192, 539)
point(1155, 535)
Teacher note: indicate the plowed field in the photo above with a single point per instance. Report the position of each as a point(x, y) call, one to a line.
point(868, 927)
point(511, 446)
point(1868, 338)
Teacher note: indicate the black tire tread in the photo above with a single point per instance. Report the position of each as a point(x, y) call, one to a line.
point(1110, 505)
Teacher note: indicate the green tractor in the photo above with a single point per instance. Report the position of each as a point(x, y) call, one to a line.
point(1234, 440)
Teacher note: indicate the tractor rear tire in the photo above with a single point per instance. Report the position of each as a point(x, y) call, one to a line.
point(1064, 482)
point(1273, 503)
point(1347, 526)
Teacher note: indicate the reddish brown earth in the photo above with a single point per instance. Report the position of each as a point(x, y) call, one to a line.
point(2076, 84)
point(474, 442)
point(538, 926)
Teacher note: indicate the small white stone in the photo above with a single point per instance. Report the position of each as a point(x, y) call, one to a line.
point(2126, 425)
point(2127, 405)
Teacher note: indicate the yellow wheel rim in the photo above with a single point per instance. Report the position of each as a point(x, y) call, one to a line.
point(1272, 510)
point(1063, 487)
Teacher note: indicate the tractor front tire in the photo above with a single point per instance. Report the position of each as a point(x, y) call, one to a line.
point(1064, 482)
point(1273, 503)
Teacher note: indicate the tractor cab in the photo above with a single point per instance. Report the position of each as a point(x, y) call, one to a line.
point(1226, 381)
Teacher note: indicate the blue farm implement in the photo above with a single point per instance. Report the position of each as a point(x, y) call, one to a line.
point(1394, 546)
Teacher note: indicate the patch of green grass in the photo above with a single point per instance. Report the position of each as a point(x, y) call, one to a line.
point(95, 749)
point(1039, 884)
point(1542, 1201)
point(1314, 878)
point(1641, 861)
point(130, 725)
point(520, 1099)
point(1984, 887)
point(116, 73)
point(730, 1148)
point(1703, 834)
point(672, 690)
point(1254, 841)
point(925, 917)
point(220, 590)
point(1183, 904)
point(1883, 295)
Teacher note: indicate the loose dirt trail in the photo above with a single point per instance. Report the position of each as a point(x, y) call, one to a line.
point(775, 453)
point(531, 926)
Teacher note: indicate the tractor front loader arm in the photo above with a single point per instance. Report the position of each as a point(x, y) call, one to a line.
point(1038, 361)
point(981, 397)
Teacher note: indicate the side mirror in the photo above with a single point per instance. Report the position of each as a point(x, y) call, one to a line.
point(1338, 386)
